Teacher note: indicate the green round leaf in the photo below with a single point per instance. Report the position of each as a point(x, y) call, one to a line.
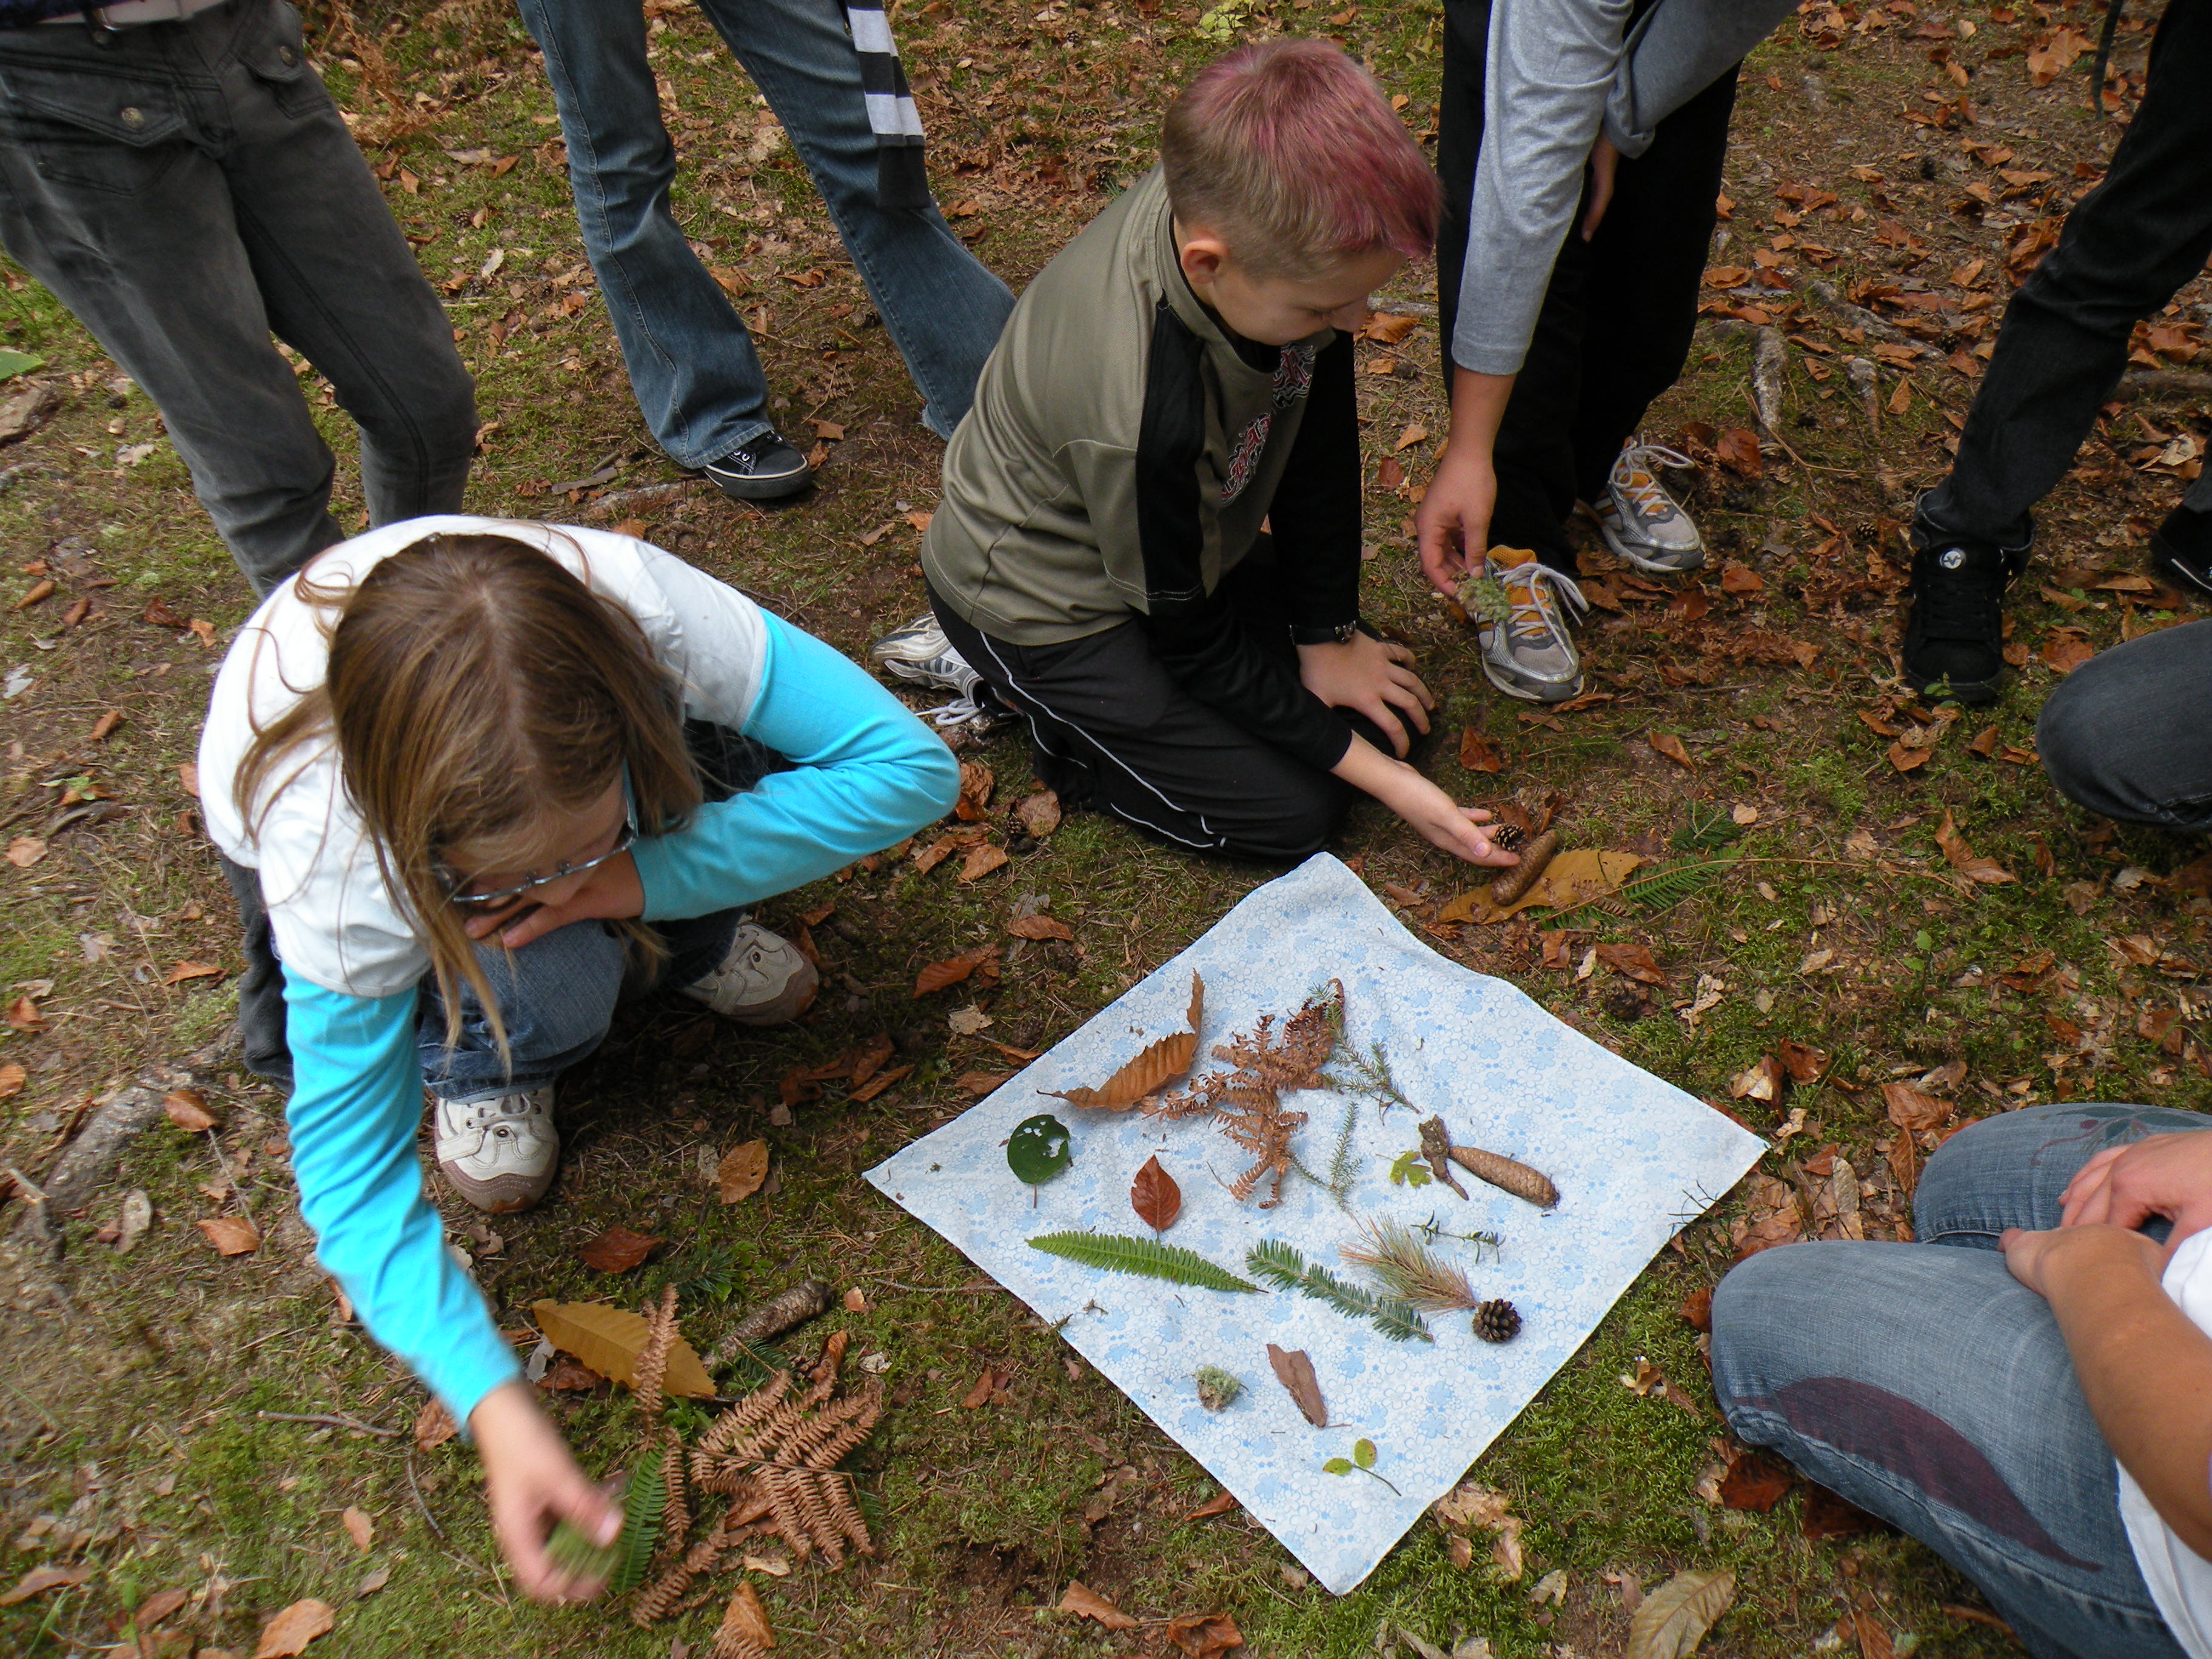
point(1363, 1453)
point(1039, 1148)
point(1337, 1465)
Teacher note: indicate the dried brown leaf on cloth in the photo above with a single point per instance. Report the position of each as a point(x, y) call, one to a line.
point(618, 1249)
point(1294, 1370)
point(1081, 1600)
point(741, 1172)
point(1159, 1064)
point(1155, 1197)
point(1573, 877)
point(609, 1339)
point(1674, 1618)
point(1961, 857)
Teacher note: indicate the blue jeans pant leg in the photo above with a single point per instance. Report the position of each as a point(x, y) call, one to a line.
point(557, 997)
point(1931, 1388)
point(2124, 734)
point(944, 309)
point(2012, 1170)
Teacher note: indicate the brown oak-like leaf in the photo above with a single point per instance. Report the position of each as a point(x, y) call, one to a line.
point(1739, 452)
point(1478, 754)
point(618, 1249)
point(1160, 1064)
point(1962, 857)
point(1761, 1080)
point(1035, 927)
point(1756, 1482)
point(976, 783)
point(742, 1171)
point(1911, 1110)
point(1666, 743)
point(1633, 961)
point(1294, 1371)
point(953, 970)
point(1803, 1063)
point(746, 1620)
point(1204, 1635)
point(1087, 1602)
point(1155, 1197)
point(187, 1109)
point(291, 1631)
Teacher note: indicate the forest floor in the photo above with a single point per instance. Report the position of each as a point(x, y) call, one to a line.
point(1896, 168)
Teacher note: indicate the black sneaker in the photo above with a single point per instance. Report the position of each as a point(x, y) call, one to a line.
point(764, 469)
point(2181, 550)
point(1954, 639)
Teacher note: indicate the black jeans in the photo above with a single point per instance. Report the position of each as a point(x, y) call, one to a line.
point(186, 189)
point(2125, 733)
point(1115, 732)
point(1620, 311)
point(2125, 250)
point(729, 763)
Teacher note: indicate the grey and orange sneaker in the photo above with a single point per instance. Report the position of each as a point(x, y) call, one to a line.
point(500, 1151)
point(1521, 609)
point(1639, 520)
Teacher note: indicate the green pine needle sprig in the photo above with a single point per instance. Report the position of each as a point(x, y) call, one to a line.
point(1117, 1253)
point(1283, 1267)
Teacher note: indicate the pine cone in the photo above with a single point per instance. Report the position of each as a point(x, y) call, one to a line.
point(1498, 1321)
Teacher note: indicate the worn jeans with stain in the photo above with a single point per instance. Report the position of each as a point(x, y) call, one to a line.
point(1930, 1388)
point(188, 190)
point(692, 364)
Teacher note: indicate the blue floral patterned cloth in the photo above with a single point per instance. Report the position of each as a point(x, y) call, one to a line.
point(1634, 1159)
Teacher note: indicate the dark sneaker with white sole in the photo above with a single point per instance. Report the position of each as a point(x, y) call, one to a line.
point(1954, 638)
point(762, 469)
point(2181, 550)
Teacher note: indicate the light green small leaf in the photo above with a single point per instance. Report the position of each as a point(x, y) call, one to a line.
point(1363, 1453)
point(1337, 1465)
point(13, 363)
point(1408, 1169)
point(1039, 1148)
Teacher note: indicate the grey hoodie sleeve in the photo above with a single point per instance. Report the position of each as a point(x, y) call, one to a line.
point(1550, 67)
point(1678, 49)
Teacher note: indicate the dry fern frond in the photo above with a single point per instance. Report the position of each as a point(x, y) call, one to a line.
point(1407, 1268)
point(676, 1505)
point(653, 1359)
point(783, 1460)
point(658, 1600)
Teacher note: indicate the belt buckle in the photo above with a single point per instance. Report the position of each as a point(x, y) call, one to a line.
point(97, 26)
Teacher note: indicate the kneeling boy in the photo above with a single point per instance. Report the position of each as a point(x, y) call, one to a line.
point(1175, 385)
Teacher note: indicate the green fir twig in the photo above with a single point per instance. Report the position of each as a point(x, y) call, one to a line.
point(1119, 1254)
point(1343, 1166)
point(1282, 1266)
point(1370, 1074)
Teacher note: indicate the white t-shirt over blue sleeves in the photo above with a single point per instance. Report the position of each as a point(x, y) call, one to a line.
point(867, 775)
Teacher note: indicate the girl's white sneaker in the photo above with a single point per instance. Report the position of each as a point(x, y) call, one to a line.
point(763, 980)
point(498, 1152)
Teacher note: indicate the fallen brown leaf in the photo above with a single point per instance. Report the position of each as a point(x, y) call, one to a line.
point(1155, 1197)
point(1738, 450)
point(1412, 435)
point(980, 1084)
point(1804, 1064)
point(2065, 650)
point(1220, 1504)
point(1477, 753)
point(187, 1109)
point(1829, 1514)
point(106, 724)
point(1666, 743)
point(1087, 1603)
point(23, 1014)
point(185, 970)
point(433, 1426)
point(1761, 1080)
point(25, 851)
point(1038, 814)
point(1913, 1111)
point(232, 1235)
point(157, 1607)
point(1159, 1064)
point(13, 1080)
point(876, 1085)
point(981, 861)
point(1039, 926)
point(745, 1619)
point(291, 1631)
point(1696, 1308)
point(610, 1339)
point(1294, 1371)
point(985, 1385)
point(40, 1580)
point(976, 783)
point(1204, 1635)
point(360, 1526)
point(1757, 1482)
point(1633, 961)
point(618, 1249)
point(1961, 857)
point(1674, 1618)
point(953, 970)
point(742, 1171)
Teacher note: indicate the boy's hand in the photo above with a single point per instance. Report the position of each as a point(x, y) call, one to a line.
point(1371, 677)
point(2168, 1174)
point(1442, 821)
point(530, 1484)
point(1452, 523)
point(2066, 1260)
point(1604, 169)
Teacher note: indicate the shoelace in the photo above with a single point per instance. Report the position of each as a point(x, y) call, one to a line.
point(960, 712)
point(1538, 615)
point(483, 1114)
point(1640, 461)
point(1961, 604)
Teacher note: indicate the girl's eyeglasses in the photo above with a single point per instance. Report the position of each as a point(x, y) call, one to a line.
point(623, 842)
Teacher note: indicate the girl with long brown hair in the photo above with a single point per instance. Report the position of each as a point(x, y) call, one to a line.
point(470, 778)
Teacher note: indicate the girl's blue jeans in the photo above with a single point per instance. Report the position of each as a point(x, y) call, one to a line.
point(698, 380)
point(1931, 1388)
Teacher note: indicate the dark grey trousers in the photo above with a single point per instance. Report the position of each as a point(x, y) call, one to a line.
point(2125, 735)
point(188, 189)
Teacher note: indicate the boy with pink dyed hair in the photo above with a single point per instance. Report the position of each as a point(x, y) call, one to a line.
point(1180, 376)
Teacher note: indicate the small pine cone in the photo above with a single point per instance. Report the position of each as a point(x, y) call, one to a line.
point(1498, 1321)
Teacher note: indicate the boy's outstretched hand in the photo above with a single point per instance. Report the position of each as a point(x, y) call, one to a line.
point(531, 1484)
point(1442, 821)
point(1371, 677)
point(2168, 1176)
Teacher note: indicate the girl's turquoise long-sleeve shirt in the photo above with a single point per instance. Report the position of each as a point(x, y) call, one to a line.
point(866, 774)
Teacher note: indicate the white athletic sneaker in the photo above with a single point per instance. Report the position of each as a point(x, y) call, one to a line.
point(499, 1153)
point(761, 980)
point(1639, 520)
point(1519, 606)
point(920, 652)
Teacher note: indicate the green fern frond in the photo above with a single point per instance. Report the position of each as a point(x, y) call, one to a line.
point(1708, 830)
point(1277, 1262)
point(1398, 1322)
point(1677, 882)
point(642, 1510)
point(1117, 1253)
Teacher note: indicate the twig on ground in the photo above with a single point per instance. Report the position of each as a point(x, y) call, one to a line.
point(333, 1419)
point(409, 1461)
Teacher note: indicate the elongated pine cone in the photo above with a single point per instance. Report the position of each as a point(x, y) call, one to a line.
point(1498, 1321)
